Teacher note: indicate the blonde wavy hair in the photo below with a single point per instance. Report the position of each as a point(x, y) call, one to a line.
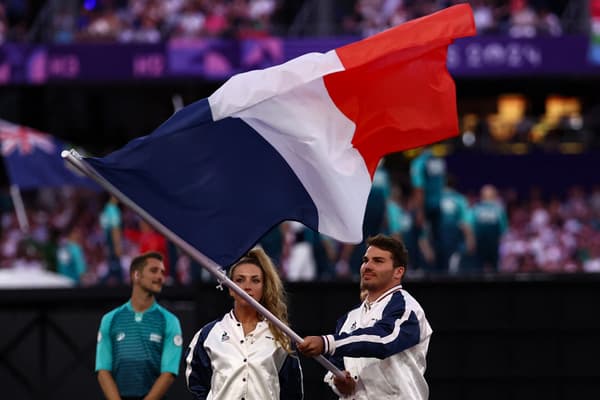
point(274, 297)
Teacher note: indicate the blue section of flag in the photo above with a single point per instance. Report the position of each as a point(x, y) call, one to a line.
point(219, 185)
point(32, 166)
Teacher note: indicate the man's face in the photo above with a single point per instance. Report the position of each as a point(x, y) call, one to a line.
point(377, 272)
point(152, 276)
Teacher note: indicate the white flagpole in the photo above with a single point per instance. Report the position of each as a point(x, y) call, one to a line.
point(15, 195)
point(177, 102)
point(208, 264)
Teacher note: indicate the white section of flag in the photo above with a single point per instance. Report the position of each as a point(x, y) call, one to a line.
point(250, 88)
point(304, 125)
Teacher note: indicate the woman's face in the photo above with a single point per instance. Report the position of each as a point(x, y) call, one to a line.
point(250, 278)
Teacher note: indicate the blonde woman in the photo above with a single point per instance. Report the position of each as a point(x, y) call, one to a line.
point(242, 355)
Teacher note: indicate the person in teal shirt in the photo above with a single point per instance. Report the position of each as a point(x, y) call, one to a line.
point(402, 225)
point(70, 259)
point(489, 224)
point(428, 178)
point(457, 237)
point(110, 221)
point(139, 343)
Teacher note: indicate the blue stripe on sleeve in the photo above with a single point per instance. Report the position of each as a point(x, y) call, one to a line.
point(394, 332)
point(201, 373)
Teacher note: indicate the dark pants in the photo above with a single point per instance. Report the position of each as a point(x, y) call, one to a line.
point(433, 216)
point(115, 272)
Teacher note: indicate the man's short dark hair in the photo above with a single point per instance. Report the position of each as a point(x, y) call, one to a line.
point(138, 263)
point(393, 245)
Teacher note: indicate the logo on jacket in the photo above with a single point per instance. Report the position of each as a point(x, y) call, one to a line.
point(155, 337)
point(120, 336)
point(225, 337)
point(178, 340)
point(353, 326)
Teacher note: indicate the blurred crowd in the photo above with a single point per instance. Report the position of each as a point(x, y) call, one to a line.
point(144, 21)
point(554, 235)
point(151, 21)
point(516, 18)
point(91, 238)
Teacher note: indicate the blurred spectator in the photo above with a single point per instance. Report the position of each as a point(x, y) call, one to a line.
point(489, 224)
point(300, 265)
point(428, 177)
point(259, 18)
point(595, 206)
point(524, 19)
point(276, 244)
point(110, 221)
point(102, 23)
point(190, 21)
point(456, 235)
point(145, 239)
point(483, 13)
point(548, 23)
point(70, 257)
point(217, 24)
point(402, 220)
point(146, 30)
point(325, 253)
point(9, 238)
point(48, 249)
point(64, 24)
point(27, 256)
point(3, 24)
point(17, 16)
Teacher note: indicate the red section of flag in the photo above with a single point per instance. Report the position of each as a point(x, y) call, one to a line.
point(595, 9)
point(396, 86)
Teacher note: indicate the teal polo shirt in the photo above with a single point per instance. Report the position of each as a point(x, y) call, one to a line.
point(138, 347)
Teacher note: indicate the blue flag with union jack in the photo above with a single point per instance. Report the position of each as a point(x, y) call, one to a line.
point(33, 160)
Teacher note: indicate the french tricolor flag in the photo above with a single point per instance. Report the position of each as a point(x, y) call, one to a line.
point(298, 141)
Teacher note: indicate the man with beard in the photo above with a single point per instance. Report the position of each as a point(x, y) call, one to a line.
point(139, 343)
point(382, 344)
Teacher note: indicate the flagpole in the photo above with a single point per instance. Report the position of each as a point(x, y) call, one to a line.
point(17, 200)
point(74, 159)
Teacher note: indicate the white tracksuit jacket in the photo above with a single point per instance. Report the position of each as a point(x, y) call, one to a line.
point(383, 346)
point(222, 363)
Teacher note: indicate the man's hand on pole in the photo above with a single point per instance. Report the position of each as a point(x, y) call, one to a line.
point(345, 385)
point(311, 346)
